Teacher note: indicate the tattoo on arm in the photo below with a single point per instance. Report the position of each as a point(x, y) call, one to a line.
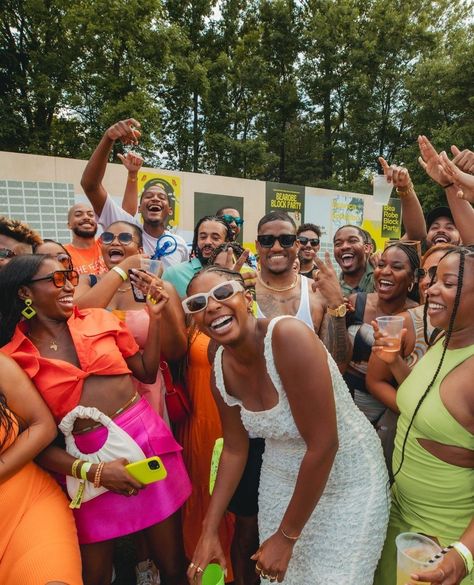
point(333, 334)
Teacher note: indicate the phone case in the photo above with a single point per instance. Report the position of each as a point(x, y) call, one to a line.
point(138, 295)
point(147, 470)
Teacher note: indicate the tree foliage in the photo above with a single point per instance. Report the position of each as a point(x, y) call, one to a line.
point(307, 91)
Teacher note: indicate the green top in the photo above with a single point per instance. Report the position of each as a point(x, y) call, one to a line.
point(180, 274)
point(434, 496)
point(366, 283)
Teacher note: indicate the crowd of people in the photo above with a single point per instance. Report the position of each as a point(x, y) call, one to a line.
point(333, 443)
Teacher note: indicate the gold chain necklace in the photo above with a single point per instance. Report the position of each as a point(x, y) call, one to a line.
point(52, 344)
point(285, 288)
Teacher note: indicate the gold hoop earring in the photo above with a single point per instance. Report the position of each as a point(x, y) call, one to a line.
point(28, 312)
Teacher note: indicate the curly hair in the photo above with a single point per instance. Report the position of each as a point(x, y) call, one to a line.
point(228, 237)
point(19, 231)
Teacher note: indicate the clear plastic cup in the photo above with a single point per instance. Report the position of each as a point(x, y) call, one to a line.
point(153, 266)
point(381, 189)
point(213, 575)
point(414, 553)
point(392, 325)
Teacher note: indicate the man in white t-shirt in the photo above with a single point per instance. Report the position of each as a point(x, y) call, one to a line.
point(155, 206)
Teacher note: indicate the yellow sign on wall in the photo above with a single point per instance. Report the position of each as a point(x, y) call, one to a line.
point(170, 183)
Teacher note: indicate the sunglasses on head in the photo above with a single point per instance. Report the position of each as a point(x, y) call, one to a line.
point(422, 273)
point(285, 240)
point(220, 292)
point(303, 240)
point(60, 277)
point(123, 237)
point(65, 260)
point(6, 253)
point(230, 218)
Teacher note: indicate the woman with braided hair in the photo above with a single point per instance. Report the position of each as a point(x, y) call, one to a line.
point(433, 461)
point(395, 286)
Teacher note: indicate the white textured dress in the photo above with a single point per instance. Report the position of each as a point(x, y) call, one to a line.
point(342, 540)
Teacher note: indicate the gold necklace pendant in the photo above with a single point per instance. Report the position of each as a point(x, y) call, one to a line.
point(53, 345)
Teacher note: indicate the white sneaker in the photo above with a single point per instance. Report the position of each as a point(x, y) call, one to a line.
point(147, 574)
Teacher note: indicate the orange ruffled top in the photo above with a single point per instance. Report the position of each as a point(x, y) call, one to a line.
point(102, 343)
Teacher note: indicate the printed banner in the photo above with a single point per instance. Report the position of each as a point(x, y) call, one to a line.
point(391, 219)
point(347, 210)
point(172, 186)
point(288, 198)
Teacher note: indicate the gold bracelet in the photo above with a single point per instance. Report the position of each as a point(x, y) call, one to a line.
point(74, 467)
point(132, 180)
point(98, 474)
point(403, 191)
point(292, 538)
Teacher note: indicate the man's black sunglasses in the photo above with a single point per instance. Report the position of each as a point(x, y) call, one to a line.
point(285, 240)
point(303, 240)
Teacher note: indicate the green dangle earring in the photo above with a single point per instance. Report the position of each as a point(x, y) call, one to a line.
point(29, 311)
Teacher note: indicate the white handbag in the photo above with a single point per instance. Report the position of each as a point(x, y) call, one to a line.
point(118, 444)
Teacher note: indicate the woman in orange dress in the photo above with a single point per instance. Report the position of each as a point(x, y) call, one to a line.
point(38, 539)
point(197, 436)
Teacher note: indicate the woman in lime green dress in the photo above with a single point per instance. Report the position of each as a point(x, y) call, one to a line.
point(433, 460)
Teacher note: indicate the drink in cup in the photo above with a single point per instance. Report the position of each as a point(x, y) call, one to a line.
point(392, 325)
point(381, 189)
point(213, 575)
point(153, 266)
point(414, 553)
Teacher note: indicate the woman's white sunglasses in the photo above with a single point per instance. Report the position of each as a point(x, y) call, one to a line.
point(220, 292)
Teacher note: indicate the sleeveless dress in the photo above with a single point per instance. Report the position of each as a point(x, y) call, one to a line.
point(343, 538)
point(38, 539)
point(429, 495)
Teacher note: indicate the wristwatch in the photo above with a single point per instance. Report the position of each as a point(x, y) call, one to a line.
point(338, 311)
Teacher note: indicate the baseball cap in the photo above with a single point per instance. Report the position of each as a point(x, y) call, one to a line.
point(441, 211)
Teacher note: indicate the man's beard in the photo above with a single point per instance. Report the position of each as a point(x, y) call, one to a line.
point(84, 233)
point(204, 260)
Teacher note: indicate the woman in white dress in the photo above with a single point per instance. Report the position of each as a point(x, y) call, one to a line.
point(323, 496)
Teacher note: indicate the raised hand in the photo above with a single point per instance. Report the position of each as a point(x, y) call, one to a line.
point(429, 160)
point(126, 131)
point(399, 176)
point(464, 181)
point(326, 281)
point(463, 159)
point(131, 161)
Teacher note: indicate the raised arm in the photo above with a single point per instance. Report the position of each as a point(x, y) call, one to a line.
point(38, 428)
point(301, 362)
point(133, 163)
point(463, 213)
point(333, 330)
point(412, 213)
point(91, 181)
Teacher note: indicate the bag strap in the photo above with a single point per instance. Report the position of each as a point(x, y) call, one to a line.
point(168, 380)
point(67, 423)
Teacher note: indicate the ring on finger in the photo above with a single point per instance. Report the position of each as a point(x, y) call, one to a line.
point(191, 565)
point(272, 578)
point(199, 570)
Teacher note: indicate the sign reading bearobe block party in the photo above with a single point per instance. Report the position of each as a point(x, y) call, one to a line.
point(391, 219)
point(287, 198)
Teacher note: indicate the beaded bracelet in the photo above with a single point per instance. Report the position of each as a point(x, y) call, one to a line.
point(123, 275)
point(74, 467)
point(292, 538)
point(98, 474)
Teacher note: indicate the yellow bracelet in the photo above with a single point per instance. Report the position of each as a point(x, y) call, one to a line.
point(84, 469)
point(74, 467)
point(123, 275)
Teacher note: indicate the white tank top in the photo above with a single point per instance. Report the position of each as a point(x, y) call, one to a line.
point(304, 310)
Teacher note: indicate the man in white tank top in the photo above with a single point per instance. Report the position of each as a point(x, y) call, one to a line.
point(281, 291)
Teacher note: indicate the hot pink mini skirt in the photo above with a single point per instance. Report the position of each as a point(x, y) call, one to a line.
point(111, 515)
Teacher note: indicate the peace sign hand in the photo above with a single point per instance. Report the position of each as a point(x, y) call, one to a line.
point(326, 281)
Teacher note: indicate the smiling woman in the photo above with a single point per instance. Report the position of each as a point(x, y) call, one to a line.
point(394, 279)
point(322, 466)
point(82, 362)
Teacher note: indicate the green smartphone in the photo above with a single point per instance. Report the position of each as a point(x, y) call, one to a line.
point(147, 470)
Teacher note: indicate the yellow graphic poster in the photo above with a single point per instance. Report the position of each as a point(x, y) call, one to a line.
point(170, 183)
